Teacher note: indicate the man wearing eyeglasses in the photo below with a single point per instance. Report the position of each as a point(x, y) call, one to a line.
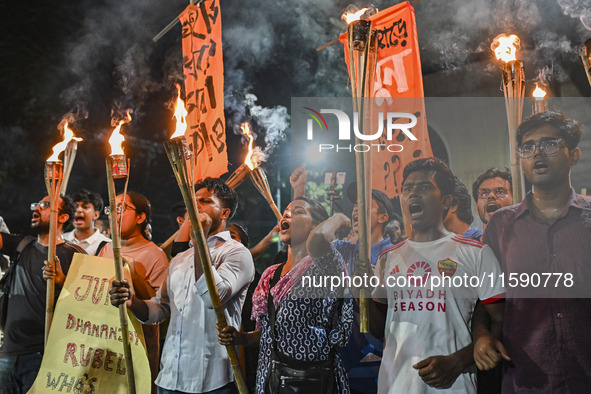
point(22, 350)
point(492, 191)
point(548, 233)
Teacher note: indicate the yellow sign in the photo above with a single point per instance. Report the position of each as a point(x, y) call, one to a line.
point(84, 351)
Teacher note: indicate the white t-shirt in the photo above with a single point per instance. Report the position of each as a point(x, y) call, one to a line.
point(90, 244)
point(433, 317)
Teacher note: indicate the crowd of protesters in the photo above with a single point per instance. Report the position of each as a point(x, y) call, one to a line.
point(426, 334)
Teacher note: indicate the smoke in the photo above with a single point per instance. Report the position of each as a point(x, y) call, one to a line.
point(113, 49)
point(270, 51)
point(275, 121)
point(454, 33)
point(580, 9)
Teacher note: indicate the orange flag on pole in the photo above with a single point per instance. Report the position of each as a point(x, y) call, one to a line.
point(398, 85)
point(203, 67)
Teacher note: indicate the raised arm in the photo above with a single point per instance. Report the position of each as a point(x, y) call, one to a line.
point(265, 243)
point(322, 235)
point(298, 181)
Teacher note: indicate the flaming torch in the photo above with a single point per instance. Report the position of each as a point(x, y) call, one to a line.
point(254, 156)
point(70, 154)
point(178, 153)
point(117, 166)
point(505, 48)
point(251, 167)
point(362, 47)
point(54, 180)
point(585, 53)
point(540, 103)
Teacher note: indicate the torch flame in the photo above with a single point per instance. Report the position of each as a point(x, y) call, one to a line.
point(353, 16)
point(116, 138)
point(180, 113)
point(245, 127)
point(61, 146)
point(505, 47)
point(538, 92)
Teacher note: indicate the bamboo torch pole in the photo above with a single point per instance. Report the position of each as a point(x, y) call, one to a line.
point(69, 158)
point(513, 80)
point(514, 90)
point(117, 166)
point(178, 153)
point(585, 53)
point(259, 179)
point(54, 172)
point(54, 182)
point(362, 53)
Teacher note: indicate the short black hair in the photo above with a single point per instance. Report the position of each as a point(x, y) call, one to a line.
point(317, 211)
point(461, 198)
point(69, 207)
point(569, 129)
point(87, 197)
point(389, 227)
point(179, 209)
point(142, 205)
point(494, 172)
point(244, 238)
point(222, 191)
point(444, 178)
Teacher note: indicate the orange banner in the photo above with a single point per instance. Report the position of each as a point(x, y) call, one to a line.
point(398, 75)
point(204, 86)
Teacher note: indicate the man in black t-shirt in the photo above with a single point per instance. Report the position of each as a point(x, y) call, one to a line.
point(22, 350)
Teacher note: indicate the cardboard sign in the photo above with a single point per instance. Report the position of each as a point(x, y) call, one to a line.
point(203, 67)
point(84, 352)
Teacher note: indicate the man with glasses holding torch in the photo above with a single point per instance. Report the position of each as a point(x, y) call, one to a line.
point(24, 324)
point(548, 237)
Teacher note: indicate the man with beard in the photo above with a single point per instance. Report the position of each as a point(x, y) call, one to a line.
point(85, 234)
point(428, 344)
point(548, 233)
point(22, 350)
point(492, 190)
point(192, 360)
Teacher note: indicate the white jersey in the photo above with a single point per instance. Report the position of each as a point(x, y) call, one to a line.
point(427, 315)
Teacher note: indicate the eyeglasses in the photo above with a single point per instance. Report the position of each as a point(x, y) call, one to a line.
point(41, 204)
point(548, 147)
point(498, 192)
point(120, 208)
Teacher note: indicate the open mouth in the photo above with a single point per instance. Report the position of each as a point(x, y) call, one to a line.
point(492, 207)
point(540, 165)
point(284, 226)
point(35, 218)
point(415, 209)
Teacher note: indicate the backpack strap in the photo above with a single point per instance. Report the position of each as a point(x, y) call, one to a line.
point(6, 280)
point(21, 246)
point(100, 247)
point(271, 305)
